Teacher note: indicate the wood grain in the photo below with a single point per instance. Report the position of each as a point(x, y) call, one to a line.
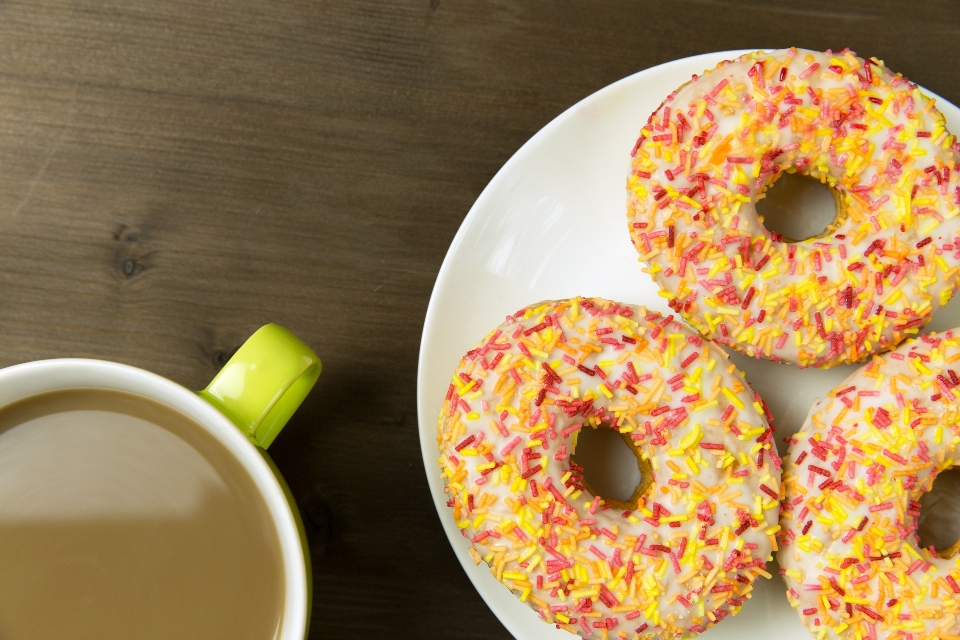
point(174, 174)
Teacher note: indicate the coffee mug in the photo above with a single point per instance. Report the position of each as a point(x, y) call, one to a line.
point(243, 409)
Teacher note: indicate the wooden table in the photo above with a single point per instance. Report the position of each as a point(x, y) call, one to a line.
point(173, 174)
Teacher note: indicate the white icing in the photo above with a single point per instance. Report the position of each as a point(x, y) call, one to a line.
point(884, 470)
point(688, 413)
point(772, 125)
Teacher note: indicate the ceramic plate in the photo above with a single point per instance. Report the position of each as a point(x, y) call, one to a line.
point(551, 224)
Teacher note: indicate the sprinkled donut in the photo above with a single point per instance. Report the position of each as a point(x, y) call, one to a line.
point(872, 278)
point(683, 552)
point(855, 472)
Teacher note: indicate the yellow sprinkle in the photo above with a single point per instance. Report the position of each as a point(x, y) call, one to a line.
point(650, 610)
point(534, 561)
point(678, 518)
point(691, 439)
point(734, 399)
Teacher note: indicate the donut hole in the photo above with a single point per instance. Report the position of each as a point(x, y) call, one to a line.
point(612, 467)
point(939, 520)
point(797, 207)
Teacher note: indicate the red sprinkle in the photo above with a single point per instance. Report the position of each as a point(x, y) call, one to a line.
point(953, 583)
point(539, 327)
point(870, 612)
point(529, 472)
point(465, 443)
point(808, 70)
point(551, 373)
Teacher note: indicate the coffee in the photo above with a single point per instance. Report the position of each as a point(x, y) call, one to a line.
point(122, 518)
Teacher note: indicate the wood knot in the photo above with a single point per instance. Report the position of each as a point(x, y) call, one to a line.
point(220, 357)
point(131, 256)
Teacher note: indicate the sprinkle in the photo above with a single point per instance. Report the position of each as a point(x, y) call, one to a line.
point(551, 373)
point(953, 583)
point(510, 446)
point(870, 612)
point(894, 456)
point(466, 442)
point(806, 72)
point(539, 327)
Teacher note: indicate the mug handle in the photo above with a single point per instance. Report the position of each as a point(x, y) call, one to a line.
point(264, 382)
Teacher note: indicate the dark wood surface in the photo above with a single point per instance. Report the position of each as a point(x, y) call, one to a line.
point(175, 174)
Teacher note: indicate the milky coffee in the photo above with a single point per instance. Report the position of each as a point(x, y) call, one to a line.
point(122, 518)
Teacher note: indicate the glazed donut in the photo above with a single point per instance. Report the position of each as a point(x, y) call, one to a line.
point(873, 277)
point(850, 553)
point(683, 552)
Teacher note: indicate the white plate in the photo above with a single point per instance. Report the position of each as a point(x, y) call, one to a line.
point(551, 224)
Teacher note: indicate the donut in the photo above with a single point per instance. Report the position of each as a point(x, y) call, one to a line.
point(672, 560)
point(850, 553)
point(874, 277)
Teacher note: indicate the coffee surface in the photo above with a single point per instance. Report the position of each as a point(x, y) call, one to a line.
point(122, 518)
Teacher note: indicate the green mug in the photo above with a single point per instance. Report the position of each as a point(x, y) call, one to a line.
point(264, 382)
point(244, 408)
